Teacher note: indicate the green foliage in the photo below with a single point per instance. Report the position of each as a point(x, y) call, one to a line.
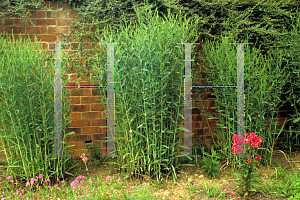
point(260, 99)
point(291, 44)
point(144, 115)
point(262, 21)
point(95, 154)
point(295, 185)
point(26, 115)
point(210, 164)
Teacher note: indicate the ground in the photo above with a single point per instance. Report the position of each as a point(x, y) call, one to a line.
point(189, 177)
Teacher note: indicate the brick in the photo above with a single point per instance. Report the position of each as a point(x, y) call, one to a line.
point(76, 153)
point(8, 22)
point(57, 14)
point(75, 100)
point(82, 137)
point(64, 22)
point(63, 6)
point(195, 117)
point(77, 145)
point(75, 130)
point(96, 92)
point(98, 122)
point(81, 92)
point(91, 115)
point(80, 122)
point(100, 143)
point(74, 115)
point(36, 30)
point(91, 129)
point(96, 107)
point(80, 108)
point(46, 38)
point(73, 14)
point(37, 14)
point(45, 22)
point(16, 30)
point(53, 5)
point(99, 136)
point(88, 100)
point(87, 45)
point(24, 22)
point(58, 30)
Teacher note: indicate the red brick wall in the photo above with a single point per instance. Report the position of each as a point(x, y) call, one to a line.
point(49, 21)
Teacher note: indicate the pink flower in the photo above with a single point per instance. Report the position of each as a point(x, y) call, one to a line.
point(258, 157)
point(249, 160)
point(107, 178)
point(128, 186)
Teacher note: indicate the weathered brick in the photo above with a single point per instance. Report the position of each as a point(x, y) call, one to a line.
point(81, 137)
point(62, 6)
point(80, 108)
point(8, 22)
point(91, 129)
point(36, 30)
point(91, 115)
point(96, 92)
point(76, 153)
point(45, 22)
point(46, 38)
point(77, 145)
point(99, 137)
point(64, 22)
point(16, 30)
point(98, 122)
point(75, 100)
point(37, 14)
point(58, 30)
point(75, 130)
point(80, 122)
point(57, 14)
point(81, 92)
point(74, 115)
point(97, 107)
point(53, 5)
point(88, 100)
point(73, 14)
point(100, 143)
point(24, 22)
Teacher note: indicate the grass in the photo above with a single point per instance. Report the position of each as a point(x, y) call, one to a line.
point(105, 184)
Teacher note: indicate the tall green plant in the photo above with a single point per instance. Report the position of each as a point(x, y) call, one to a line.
point(145, 64)
point(263, 81)
point(291, 43)
point(27, 111)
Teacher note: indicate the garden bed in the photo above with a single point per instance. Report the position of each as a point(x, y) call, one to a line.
point(192, 182)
